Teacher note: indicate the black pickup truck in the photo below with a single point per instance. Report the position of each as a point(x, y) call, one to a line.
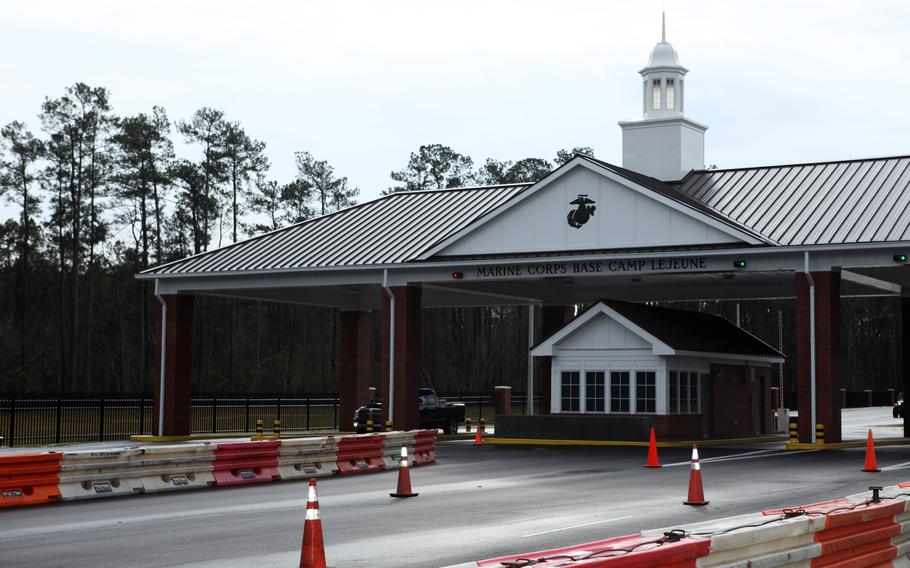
point(434, 413)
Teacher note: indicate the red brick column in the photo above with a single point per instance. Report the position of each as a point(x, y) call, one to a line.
point(354, 372)
point(553, 318)
point(178, 366)
point(406, 415)
point(827, 355)
point(502, 400)
point(905, 355)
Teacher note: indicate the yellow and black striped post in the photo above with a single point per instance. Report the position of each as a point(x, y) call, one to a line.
point(259, 428)
point(819, 433)
point(369, 426)
point(467, 425)
point(388, 425)
point(794, 433)
point(482, 426)
point(276, 428)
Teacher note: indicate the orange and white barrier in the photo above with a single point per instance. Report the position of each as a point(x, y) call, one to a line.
point(854, 532)
point(29, 479)
point(424, 447)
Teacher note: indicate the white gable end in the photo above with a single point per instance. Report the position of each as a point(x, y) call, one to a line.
point(600, 333)
point(623, 218)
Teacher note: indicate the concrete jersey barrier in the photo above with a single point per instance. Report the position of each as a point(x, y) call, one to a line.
point(176, 467)
point(302, 458)
point(91, 474)
point(392, 444)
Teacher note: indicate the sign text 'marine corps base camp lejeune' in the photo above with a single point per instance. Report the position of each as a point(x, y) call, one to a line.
point(683, 264)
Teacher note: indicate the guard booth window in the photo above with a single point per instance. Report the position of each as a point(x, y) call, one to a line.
point(645, 391)
point(619, 391)
point(594, 391)
point(570, 384)
point(684, 393)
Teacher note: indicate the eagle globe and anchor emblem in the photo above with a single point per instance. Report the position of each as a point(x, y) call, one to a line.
point(582, 213)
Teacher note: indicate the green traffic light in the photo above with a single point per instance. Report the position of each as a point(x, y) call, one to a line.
point(900, 258)
point(739, 263)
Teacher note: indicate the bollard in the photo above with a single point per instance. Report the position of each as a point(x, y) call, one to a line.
point(467, 425)
point(891, 394)
point(794, 433)
point(819, 433)
point(369, 426)
point(259, 428)
point(868, 397)
point(388, 425)
point(276, 429)
point(843, 398)
point(482, 426)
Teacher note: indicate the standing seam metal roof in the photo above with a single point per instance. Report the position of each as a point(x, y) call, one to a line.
point(852, 201)
point(393, 229)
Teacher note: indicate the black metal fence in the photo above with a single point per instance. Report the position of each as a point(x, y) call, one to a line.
point(41, 420)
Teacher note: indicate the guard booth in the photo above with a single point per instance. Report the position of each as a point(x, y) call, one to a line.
point(620, 368)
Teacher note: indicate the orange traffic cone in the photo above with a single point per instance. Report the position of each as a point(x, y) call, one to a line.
point(478, 439)
point(404, 477)
point(696, 492)
point(312, 552)
point(652, 451)
point(871, 464)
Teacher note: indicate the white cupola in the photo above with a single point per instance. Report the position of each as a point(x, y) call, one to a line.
point(663, 144)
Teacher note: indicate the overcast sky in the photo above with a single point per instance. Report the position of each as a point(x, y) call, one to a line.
point(362, 84)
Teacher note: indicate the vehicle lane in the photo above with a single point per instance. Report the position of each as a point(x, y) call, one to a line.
point(475, 503)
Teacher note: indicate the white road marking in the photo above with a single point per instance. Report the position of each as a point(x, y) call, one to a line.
point(902, 465)
point(576, 526)
point(745, 456)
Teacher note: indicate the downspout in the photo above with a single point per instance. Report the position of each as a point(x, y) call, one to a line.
point(391, 391)
point(163, 359)
point(530, 389)
point(811, 345)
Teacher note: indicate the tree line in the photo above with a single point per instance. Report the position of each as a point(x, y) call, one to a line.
point(95, 197)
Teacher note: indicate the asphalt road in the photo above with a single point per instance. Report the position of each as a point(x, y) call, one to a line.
point(474, 503)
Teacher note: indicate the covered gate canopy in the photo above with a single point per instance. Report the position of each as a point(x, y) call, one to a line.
point(592, 230)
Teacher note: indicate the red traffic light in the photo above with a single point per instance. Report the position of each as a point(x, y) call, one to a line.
point(457, 274)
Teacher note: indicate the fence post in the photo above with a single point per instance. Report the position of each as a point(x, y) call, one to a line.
point(278, 410)
point(214, 414)
point(246, 425)
point(479, 407)
point(141, 414)
point(12, 420)
point(101, 419)
point(308, 412)
point(59, 421)
point(335, 412)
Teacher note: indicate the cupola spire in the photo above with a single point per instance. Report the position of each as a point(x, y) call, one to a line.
point(664, 143)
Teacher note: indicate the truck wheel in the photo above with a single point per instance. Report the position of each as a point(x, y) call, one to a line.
point(451, 428)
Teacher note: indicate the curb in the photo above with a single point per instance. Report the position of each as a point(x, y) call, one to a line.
point(848, 445)
point(680, 444)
